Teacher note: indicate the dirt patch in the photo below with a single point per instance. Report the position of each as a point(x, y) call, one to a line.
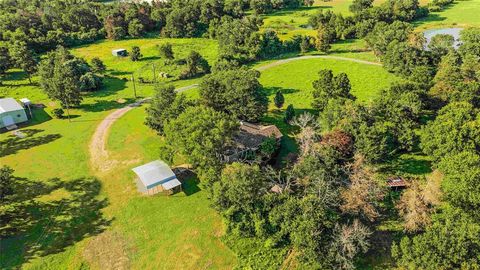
point(109, 251)
point(99, 157)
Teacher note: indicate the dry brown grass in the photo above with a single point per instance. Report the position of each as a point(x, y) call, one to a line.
point(108, 251)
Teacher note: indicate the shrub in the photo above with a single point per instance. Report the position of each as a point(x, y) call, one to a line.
point(58, 113)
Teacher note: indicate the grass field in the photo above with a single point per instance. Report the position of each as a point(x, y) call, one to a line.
point(462, 13)
point(182, 230)
point(124, 67)
point(56, 148)
point(288, 23)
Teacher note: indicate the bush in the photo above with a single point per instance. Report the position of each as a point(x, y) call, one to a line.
point(58, 113)
point(90, 82)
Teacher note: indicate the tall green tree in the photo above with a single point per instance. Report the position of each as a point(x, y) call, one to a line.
point(238, 39)
point(289, 113)
point(97, 65)
point(325, 37)
point(135, 28)
point(60, 74)
point(165, 51)
point(328, 87)
point(461, 180)
point(236, 92)
point(441, 44)
point(24, 58)
point(384, 33)
point(196, 65)
point(201, 134)
point(454, 130)
point(5, 59)
point(166, 105)
point(238, 195)
point(451, 242)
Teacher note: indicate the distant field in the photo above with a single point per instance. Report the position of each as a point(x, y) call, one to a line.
point(124, 67)
point(462, 13)
point(288, 23)
point(295, 79)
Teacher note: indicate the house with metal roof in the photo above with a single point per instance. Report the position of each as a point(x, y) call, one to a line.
point(396, 182)
point(249, 139)
point(11, 113)
point(155, 177)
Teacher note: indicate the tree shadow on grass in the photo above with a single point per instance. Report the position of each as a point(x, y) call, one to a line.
point(48, 227)
point(190, 186)
point(435, 17)
point(13, 143)
point(118, 73)
point(286, 12)
point(189, 180)
point(149, 58)
point(270, 91)
point(111, 85)
point(105, 105)
point(415, 164)
point(10, 78)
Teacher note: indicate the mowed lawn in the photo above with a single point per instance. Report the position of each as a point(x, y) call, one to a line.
point(177, 232)
point(294, 79)
point(57, 148)
point(124, 67)
point(462, 13)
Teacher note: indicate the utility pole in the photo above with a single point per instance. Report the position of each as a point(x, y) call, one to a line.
point(134, 88)
point(154, 74)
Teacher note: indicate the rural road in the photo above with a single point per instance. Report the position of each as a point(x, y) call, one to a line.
point(99, 156)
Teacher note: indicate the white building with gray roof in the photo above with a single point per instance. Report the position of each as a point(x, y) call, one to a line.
point(11, 113)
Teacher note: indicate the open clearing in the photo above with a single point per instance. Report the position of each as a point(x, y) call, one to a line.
point(462, 13)
point(288, 23)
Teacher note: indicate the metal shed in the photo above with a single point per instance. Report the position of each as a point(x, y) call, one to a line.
point(120, 52)
point(11, 113)
point(155, 177)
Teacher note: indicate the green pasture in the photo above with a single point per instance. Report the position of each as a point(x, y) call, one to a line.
point(292, 22)
point(58, 148)
point(294, 79)
point(177, 232)
point(462, 13)
point(150, 62)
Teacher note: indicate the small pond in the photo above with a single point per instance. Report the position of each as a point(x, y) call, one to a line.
point(455, 32)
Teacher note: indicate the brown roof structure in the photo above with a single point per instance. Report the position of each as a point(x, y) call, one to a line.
point(251, 135)
point(396, 181)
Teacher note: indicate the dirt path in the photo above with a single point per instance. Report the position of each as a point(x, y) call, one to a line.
point(284, 61)
point(99, 157)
